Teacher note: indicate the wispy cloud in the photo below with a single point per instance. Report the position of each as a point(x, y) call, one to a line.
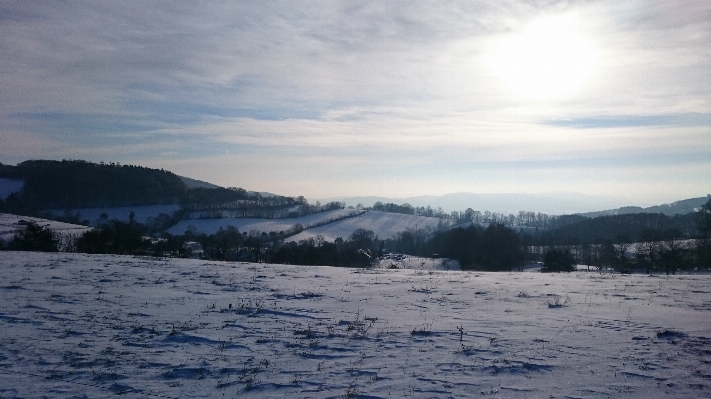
point(673, 120)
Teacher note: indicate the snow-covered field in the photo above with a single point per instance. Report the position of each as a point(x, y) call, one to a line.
point(10, 224)
point(74, 325)
point(330, 224)
point(383, 224)
point(400, 261)
point(211, 226)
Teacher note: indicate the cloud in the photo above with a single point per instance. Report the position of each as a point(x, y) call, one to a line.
point(320, 95)
point(675, 120)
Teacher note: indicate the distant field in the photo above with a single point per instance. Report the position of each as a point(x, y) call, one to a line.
point(211, 226)
point(330, 224)
point(76, 325)
point(383, 224)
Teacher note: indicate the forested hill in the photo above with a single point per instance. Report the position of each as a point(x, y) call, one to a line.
point(80, 184)
point(638, 227)
point(682, 207)
point(73, 184)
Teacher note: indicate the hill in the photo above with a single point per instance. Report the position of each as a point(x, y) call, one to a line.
point(259, 225)
point(193, 183)
point(619, 228)
point(38, 186)
point(10, 225)
point(556, 203)
point(76, 184)
point(682, 207)
point(384, 224)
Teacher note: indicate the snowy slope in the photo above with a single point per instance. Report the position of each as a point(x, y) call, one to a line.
point(383, 224)
point(10, 224)
point(211, 226)
point(74, 325)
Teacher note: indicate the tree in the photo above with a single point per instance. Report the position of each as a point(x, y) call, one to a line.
point(364, 239)
point(462, 244)
point(648, 249)
point(703, 254)
point(620, 253)
point(476, 216)
point(703, 220)
point(607, 255)
point(703, 243)
point(115, 237)
point(671, 256)
point(500, 249)
point(35, 238)
point(558, 261)
point(254, 244)
point(468, 214)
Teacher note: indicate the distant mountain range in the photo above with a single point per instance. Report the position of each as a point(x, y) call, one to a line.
point(554, 203)
point(675, 208)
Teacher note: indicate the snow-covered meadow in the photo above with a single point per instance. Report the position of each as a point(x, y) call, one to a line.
point(384, 224)
point(329, 224)
point(211, 226)
point(11, 224)
point(75, 325)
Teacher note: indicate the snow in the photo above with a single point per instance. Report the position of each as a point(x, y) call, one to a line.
point(401, 261)
point(141, 212)
point(9, 186)
point(10, 224)
point(383, 224)
point(76, 325)
point(211, 226)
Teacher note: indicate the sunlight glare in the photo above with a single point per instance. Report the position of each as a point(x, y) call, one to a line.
point(548, 59)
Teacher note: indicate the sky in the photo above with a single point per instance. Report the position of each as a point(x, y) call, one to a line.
point(397, 98)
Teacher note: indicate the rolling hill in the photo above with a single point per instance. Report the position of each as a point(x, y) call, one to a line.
point(383, 224)
point(675, 208)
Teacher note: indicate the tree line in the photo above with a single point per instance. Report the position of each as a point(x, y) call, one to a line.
point(645, 242)
point(494, 248)
point(227, 244)
point(616, 228)
point(522, 218)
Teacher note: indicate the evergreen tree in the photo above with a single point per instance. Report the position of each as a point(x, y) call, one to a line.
point(35, 238)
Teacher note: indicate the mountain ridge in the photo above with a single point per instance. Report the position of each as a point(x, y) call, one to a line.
point(507, 203)
point(680, 207)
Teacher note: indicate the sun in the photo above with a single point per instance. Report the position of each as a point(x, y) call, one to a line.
point(547, 59)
